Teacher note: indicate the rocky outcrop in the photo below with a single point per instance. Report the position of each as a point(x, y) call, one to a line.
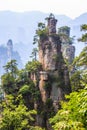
point(68, 50)
point(54, 67)
point(7, 54)
point(69, 53)
point(49, 51)
point(9, 49)
point(53, 79)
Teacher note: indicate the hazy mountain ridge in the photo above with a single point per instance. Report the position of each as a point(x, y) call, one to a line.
point(82, 19)
point(20, 27)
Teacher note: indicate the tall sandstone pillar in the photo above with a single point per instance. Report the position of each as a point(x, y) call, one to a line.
point(55, 73)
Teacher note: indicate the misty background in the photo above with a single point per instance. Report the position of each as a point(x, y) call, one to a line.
point(21, 27)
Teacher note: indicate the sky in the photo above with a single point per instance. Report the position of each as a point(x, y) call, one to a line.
point(71, 8)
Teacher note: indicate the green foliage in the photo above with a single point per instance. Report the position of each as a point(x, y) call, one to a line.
point(8, 83)
point(76, 81)
point(81, 61)
point(24, 89)
point(36, 128)
point(64, 125)
point(84, 36)
point(11, 67)
point(34, 54)
point(27, 88)
point(41, 33)
point(64, 28)
point(30, 90)
point(73, 114)
point(33, 66)
point(9, 78)
point(22, 78)
point(84, 27)
point(42, 30)
point(80, 73)
point(16, 113)
point(15, 117)
point(64, 33)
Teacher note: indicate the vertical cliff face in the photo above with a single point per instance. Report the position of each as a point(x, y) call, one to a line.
point(51, 24)
point(68, 50)
point(9, 49)
point(56, 84)
point(49, 50)
point(7, 54)
point(53, 77)
point(69, 53)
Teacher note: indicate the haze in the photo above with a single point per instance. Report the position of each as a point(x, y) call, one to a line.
point(71, 8)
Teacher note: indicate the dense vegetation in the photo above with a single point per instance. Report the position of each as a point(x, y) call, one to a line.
point(73, 113)
point(17, 108)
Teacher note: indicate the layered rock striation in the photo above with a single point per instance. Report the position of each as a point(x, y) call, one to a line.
point(54, 77)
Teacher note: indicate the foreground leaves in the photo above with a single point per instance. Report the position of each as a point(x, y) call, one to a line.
point(73, 115)
point(15, 117)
